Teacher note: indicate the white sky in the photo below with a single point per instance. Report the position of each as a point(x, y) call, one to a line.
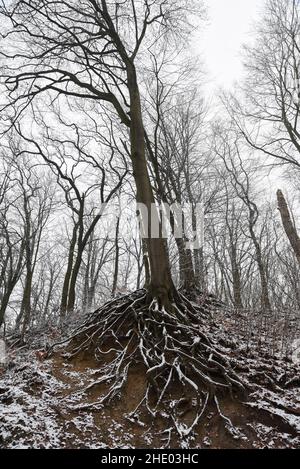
point(230, 23)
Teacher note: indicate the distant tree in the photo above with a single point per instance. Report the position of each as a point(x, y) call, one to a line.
point(26, 204)
point(288, 225)
point(68, 154)
point(268, 111)
point(12, 239)
point(229, 151)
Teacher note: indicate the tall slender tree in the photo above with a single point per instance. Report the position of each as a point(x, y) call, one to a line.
point(90, 51)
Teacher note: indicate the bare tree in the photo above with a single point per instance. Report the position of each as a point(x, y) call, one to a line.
point(37, 206)
point(12, 240)
point(268, 112)
point(99, 253)
point(73, 155)
point(91, 53)
point(26, 206)
point(239, 177)
point(288, 224)
point(179, 154)
point(101, 43)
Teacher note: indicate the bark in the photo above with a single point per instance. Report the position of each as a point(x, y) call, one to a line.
point(9, 289)
point(236, 279)
point(186, 268)
point(117, 251)
point(91, 295)
point(288, 225)
point(49, 294)
point(14, 276)
point(199, 268)
point(146, 264)
point(4, 304)
point(73, 280)
point(265, 301)
point(26, 301)
point(65, 290)
point(199, 274)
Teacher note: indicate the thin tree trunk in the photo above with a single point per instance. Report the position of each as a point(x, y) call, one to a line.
point(186, 268)
point(117, 251)
point(236, 279)
point(288, 225)
point(73, 280)
point(49, 294)
point(91, 295)
point(199, 268)
point(265, 301)
point(66, 285)
point(146, 264)
point(3, 307)
point(26, 301)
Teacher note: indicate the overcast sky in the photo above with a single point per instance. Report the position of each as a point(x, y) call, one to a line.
point(230, 23)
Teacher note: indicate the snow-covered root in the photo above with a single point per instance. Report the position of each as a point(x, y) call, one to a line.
point(184, 371)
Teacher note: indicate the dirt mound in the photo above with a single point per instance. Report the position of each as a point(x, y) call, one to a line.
point(134, 375)
point(37, 401)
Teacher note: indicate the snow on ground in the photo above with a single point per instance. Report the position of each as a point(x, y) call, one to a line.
point(27, 402)
point(37, 396)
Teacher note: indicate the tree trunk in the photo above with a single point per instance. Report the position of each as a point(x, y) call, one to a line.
point(288, 225)
point(73, 280)
point(146, 264)
point(49, 295)
point(3, 307)
point(116, 269)
point(8, 291)
point(199, 273)
point(161, 284)
point(186, 268)
point(265, 301)
point(66, 285)
point(86, 281)
point(26, 301)
point(91, 295)
point(236, 280)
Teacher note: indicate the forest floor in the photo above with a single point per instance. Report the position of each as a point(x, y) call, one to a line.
point(40, 403)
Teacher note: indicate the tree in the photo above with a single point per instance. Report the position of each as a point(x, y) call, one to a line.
point(229, 152)
point(26, 204)
point(38, 200)
point(288, 224)
point(178, 151)
point(12, 240)
point(70, 153)
point(91, 52)
point(268, 109)
point(100, 43)
point(99, 252)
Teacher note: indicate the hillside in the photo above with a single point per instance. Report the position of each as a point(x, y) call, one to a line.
point(45, 402)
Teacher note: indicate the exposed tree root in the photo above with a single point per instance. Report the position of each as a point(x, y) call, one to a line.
point(185, 372)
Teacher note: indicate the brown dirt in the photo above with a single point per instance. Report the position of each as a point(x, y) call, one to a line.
point(258, 429)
